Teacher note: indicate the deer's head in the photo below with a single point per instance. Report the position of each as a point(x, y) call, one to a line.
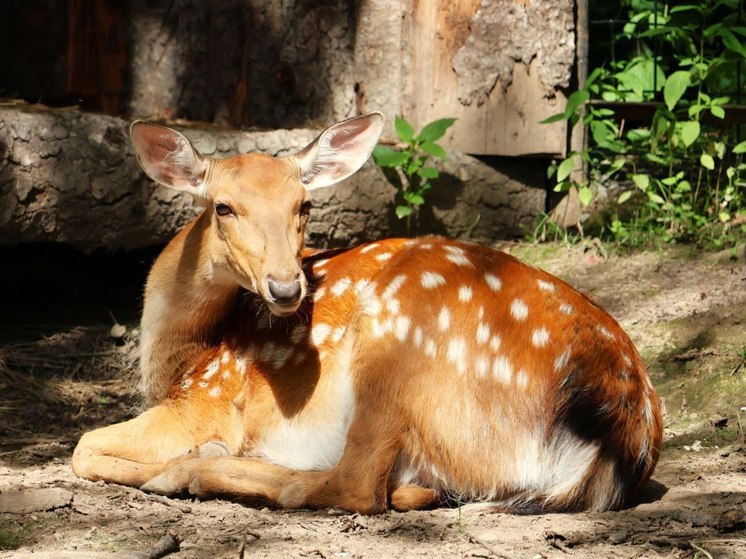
point(256, 205)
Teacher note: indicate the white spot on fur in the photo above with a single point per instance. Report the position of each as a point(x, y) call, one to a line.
point(482, 365)
point(394, 286)
point(212, 368)
point(337, 334)
point(604, 332)
point(627, 359)
point(493, 281)
point(383, 256)
point(457, 256)
point(372, 305)
point(202, 384)
point(360, 285)
point(430, 280)
point(425, 246)
point(214, 391)
point(341, 286)
point(521, 379)
point(480, 313)
point(502, 370)
point(225, 357)
point(321, 263)
point(562, 360)
point(519, 310)
point(444, 319)
point(240, 365)
point(369, 247)
point(430, 348)
point(456, 353)
point(417, 337)
point(226, 374)
point(320, 292)
point(187, 383)
point(392, 305)
point(495, 342)
point(566, 308)
point(464, 293)
point(546, 286)
point(483, 333)
point(540, 337)
point(401, 328)
point(319, 333)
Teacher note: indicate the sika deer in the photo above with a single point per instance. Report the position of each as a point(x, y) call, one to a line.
point(399, 374)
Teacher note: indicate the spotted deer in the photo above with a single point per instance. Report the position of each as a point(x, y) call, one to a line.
point(403, 373)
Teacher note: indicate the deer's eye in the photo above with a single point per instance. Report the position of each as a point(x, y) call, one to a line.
point(305, 208)
point(223, 209)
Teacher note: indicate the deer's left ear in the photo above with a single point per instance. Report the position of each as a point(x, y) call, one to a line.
point(339, 151)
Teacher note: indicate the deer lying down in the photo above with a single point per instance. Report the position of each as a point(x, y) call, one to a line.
point(399, 374)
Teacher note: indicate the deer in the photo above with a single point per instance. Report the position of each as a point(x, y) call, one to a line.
point(398, 374)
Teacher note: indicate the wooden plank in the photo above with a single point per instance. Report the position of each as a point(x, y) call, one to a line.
point(506, 122)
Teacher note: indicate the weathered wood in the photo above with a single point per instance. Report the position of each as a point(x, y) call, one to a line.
point(71, 177)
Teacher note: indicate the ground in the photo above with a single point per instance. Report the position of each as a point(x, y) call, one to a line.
point(67, 372)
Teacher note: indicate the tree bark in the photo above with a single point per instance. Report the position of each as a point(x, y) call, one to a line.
point(71, 177)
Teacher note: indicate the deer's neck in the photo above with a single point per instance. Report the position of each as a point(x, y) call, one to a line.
point(183, 311)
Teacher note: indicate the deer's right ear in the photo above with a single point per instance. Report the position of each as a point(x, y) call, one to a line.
point(168, 158)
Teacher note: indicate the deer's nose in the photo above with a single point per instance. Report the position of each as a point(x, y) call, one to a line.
point(284, 292)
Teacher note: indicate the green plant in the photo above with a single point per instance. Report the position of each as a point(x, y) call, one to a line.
point(411, 162)
point(687, 177)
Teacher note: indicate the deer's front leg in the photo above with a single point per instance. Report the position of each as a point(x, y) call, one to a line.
point(358, 483)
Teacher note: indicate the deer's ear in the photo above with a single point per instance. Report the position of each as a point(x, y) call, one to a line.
point(339, 151)
point(168, 158)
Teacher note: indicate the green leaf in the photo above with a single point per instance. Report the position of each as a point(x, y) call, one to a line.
point(740, 148)
point(730, 41)
point(624, 196)
point(690, 132)
point(565, 168)
point(656, 198)
point(554, 118)
point(675, 87)
point(707, 161)
point(617, 164)
point(717, 111)
point(387, 157)
point(403, 211)
point(641, 181)
point(436, 150)
point(724, 216)
point(575, 100)
point(404, 129)
point(413, 198)
point(428, 173)
point(585, 195)
point(435, 130)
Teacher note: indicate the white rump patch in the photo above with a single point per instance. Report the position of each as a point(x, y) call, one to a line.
point(430, 280)
point(519, 310)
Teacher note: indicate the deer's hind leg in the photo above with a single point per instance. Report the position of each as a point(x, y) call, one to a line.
point(135, 451)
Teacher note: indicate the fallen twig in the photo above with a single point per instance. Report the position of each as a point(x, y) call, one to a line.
point(166, 545)
point(701, 550)
point(169, 502)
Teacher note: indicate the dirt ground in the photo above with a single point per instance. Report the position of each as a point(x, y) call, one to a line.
point(65, 373)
